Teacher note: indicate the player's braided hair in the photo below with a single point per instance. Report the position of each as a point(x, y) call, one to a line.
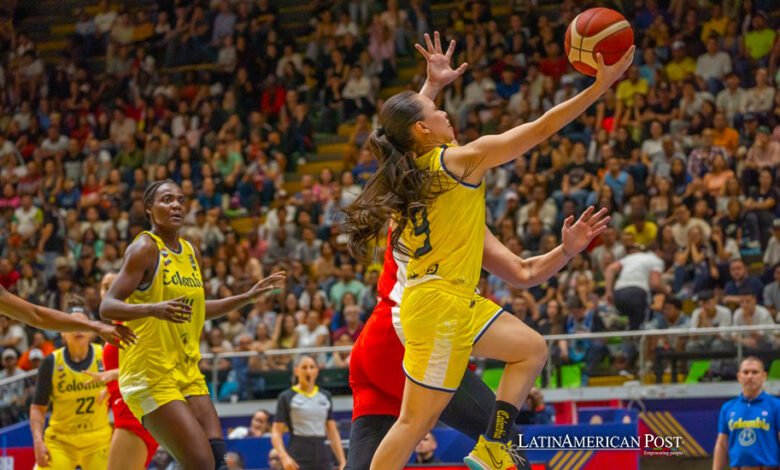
point(150, 192)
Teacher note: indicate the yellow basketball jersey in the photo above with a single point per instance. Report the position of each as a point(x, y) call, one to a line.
point(76, 417)
point(448, 235)
point(162, 345)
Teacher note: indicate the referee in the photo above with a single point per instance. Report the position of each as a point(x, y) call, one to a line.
point(307, 413)
point(748, 431)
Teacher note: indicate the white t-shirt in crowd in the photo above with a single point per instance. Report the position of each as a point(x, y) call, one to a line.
point(16, 331)
point(713, 66)
point(636, 270)
point(722, 317)
point(308, 339)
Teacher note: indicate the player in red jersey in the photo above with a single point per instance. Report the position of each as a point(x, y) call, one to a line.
point(376, 375)
point(132, 447)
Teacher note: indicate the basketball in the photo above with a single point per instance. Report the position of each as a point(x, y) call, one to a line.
point(597, 30)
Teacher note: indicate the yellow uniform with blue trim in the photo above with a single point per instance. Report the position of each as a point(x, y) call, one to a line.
point(162, 366)
point(79, 432)
point(442, 317)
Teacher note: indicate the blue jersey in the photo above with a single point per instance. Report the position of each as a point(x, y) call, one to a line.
point(752, 427)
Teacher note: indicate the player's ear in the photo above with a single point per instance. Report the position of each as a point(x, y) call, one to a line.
point(421, 127)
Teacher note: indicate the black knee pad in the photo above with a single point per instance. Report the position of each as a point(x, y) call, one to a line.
point(218, 449)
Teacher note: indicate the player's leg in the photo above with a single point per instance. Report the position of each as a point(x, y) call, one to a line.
point(364, 437)
point(471, 408)
point(437, 327)
point(128, 451)
point(420, 410)
point(97, 460)
point(508, 339)
point(523, 350)
point(204, 411)
point(176, 428)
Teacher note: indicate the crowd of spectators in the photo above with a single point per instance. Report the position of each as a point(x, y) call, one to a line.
point(683, 153)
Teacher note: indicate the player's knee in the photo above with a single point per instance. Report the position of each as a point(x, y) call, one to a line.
point(532, 349)
point(542, 351)
point(413, 425)
point(199, 459)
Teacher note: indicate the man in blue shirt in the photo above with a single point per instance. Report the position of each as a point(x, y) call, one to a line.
point(741, 280)
point(748, 425)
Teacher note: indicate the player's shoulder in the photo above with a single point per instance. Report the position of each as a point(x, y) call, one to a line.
point(143, 245)
point(326, 393)
point(431, 159)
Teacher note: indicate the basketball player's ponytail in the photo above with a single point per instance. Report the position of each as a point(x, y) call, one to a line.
point(398, 187)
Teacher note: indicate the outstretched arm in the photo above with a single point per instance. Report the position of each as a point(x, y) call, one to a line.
point(500, 261)
point(494, 150)
point(50, 319)
point(217, 308)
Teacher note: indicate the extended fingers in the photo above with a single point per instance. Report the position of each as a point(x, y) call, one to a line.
point(127, 335)
point(451, 49)
point(598, 216)
point(600, 60)
point(428, 42)
point(629, 54)
point(585, 216)
point(422, 51)
point(437, 42)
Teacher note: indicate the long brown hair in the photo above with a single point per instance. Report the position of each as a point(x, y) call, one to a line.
point(399, 187)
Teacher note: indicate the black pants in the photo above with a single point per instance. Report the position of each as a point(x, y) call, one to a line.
point(310, 453)
point(468, 412)
point(632, 303)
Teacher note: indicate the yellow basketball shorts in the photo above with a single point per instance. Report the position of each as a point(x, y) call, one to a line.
point(146, 395)
point(67, 457)
point(440, 329)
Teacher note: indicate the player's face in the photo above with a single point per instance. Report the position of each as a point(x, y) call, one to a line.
point(751, 376)
point(77, 338)
point(168, 206)
point(435, 122)
point(105, 284)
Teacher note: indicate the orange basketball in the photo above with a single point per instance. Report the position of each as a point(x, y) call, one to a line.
point(597, 30)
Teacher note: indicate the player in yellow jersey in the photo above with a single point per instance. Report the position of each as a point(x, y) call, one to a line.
point(159, 294)
point(433, 191)
point(79, 433)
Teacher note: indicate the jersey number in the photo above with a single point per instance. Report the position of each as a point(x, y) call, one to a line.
point(85, 405)
point(422, 228)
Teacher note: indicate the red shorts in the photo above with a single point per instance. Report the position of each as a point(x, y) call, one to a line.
point(375, 367)
point(124, 419)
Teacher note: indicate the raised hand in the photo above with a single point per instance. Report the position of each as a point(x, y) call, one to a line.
point(606, 75)
point(115, 334)
point(577, 236)
point(440, 72)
